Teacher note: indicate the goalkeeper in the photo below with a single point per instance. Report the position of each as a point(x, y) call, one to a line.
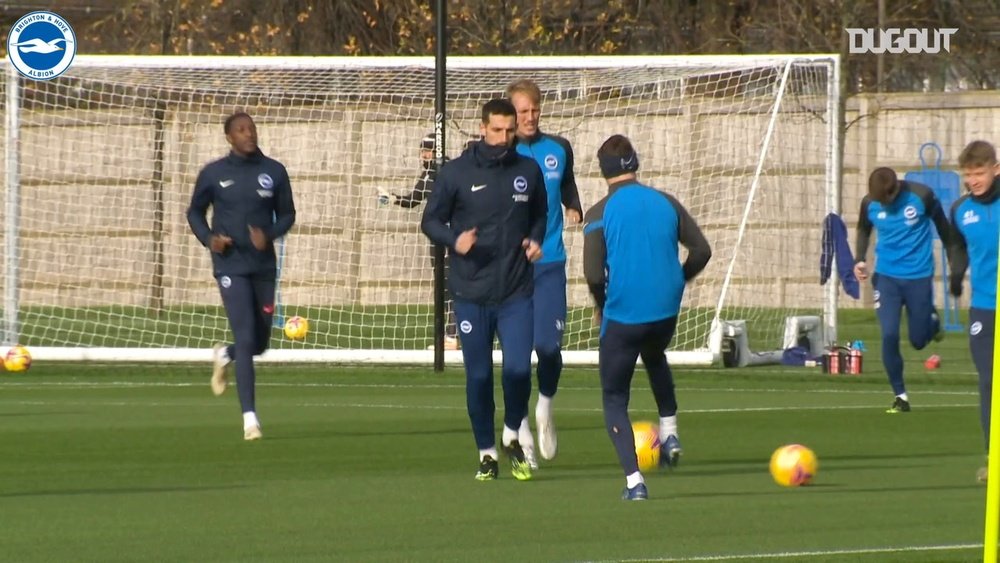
point(902, 213)
point(421, 191)
point(633, 270)
point(252, 205)
point(974, 220)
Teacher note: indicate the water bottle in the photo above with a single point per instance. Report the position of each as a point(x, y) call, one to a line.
point(854, 362)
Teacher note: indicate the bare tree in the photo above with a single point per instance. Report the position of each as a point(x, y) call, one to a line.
point(561, 27)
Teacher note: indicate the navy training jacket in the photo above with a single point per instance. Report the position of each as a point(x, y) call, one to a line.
point(504, 199)
point(243, 192)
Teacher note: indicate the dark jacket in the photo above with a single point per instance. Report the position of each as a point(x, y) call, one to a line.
point(243, 192)
point(504, 198)
point(421, 189)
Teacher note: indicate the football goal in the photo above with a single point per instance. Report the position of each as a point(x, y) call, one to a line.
point(100, 162)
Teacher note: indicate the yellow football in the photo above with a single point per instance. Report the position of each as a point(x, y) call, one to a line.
point(793, 465)
point(296, 328)
point(647, 445)
point(17, 359)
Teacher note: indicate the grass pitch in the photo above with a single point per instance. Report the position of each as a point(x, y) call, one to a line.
point(142, 463)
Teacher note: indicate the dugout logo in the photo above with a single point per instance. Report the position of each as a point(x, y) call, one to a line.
point(41, 45)
point(895, 40)
point(465, 327)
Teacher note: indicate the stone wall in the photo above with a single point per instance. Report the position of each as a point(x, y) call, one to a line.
point(88, 193)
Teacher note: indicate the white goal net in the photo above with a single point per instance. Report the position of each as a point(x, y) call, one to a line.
point(100, 163)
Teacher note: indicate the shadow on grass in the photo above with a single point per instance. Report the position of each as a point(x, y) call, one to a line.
point(39, 413)
point(118, 491)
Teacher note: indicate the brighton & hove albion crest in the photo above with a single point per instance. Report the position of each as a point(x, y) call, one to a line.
point(267, 185)
point(41, 45)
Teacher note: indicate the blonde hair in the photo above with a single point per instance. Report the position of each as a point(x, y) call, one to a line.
point(527, 87)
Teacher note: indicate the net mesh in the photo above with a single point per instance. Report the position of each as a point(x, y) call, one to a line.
point(109, 154)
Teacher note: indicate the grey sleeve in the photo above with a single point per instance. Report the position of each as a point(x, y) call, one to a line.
point(864, 232)
point(958, 252)
point(595, 253)
point(691, 237)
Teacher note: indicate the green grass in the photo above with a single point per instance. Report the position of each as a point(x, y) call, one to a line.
point(141, 463)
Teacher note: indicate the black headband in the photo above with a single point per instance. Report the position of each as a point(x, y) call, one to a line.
point(612, 166)
point(427, 143)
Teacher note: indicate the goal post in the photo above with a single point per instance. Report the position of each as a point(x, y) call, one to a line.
point(99, 166)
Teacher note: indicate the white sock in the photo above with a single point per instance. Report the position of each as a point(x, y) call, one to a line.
point(250, 420)
point(543, 406)
point(492, 452)
point(904, 397)
point(509, 435)
point(524, 436)
point(668, 427)
point(634, 479)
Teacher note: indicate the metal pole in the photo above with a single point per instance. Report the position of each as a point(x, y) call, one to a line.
point(440, 70)
point(159, 261)
point(833, 184)
point(11, 207)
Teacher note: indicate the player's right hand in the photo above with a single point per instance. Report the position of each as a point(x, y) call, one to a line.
point(465, 241)
point(219, 243)
point(383, 200)
point(955, 286)
point(861, 271)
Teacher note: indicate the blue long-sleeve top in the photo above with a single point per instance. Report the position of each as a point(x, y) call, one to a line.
point(631, 256)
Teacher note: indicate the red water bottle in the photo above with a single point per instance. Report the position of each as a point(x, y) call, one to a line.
point(855, 362)
point(834, 361)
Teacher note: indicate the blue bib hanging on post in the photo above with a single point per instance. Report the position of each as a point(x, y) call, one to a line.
point(947, 187)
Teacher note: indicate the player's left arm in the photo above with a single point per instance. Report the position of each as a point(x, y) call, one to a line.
point(284, 208)
point(864, 232)
point(691, 237)
point(958, 253)
point(569, 193)
point(936, 213)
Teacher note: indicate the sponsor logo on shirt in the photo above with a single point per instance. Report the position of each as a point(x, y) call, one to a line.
point(969, 217)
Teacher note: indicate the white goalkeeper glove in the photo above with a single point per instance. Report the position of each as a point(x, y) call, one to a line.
point(384, 198)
